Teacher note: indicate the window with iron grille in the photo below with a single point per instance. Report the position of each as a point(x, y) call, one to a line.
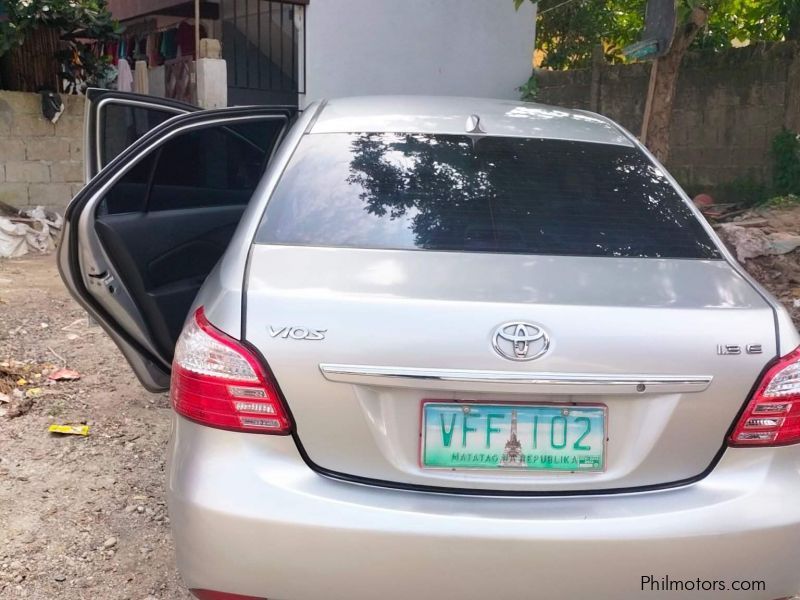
point(263, 42)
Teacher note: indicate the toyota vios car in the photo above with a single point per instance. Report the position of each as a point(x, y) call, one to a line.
point(440, 348)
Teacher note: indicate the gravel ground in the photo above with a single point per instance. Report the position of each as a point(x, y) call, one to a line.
point(80, 517)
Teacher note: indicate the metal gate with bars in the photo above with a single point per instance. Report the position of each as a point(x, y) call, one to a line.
point(263, 43)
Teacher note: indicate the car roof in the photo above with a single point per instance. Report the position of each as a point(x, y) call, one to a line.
point(449, 114)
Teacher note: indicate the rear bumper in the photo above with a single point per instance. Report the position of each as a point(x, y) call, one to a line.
point(250, 517)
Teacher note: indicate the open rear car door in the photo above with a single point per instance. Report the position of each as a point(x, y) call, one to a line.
point(115, 120)
point(147, 229)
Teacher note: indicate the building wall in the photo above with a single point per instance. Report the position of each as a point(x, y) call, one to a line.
point(127, 9)
point(728, 108)
point(452, 47)
point(40, 163)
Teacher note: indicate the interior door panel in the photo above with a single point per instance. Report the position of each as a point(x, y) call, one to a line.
point(164, 257)
point(143, 235)
point(166, 225)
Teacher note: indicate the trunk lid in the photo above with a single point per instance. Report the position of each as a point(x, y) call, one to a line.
point(637, 335)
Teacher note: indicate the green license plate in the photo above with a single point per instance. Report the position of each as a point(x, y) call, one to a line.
point(513, 436)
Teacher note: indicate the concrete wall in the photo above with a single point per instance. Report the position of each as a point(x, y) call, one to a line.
point(728, 108)
point(212, 82)
point(40, 163)
point(454, 47)
point(126, 9)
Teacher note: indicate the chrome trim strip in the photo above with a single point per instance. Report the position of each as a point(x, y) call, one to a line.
point(336, 372)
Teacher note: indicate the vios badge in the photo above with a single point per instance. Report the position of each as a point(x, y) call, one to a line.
point(517, 340)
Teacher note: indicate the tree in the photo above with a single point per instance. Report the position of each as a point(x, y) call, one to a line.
point(65, 23)
point(568, 31)
point(664, 80)
point(91, 17)
point(751, 20)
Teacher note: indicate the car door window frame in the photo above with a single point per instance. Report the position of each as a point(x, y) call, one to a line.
point(90, 264)
point(97, 103)
point(99, 146)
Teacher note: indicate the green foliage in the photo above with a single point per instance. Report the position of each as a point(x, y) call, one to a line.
point(788, 201)
point(784, 190)
point(566, 33)
point(751, 20)
point(744, 191)
point(90, 17)
point(530, 89)
point(786, 169)
point(95, 68)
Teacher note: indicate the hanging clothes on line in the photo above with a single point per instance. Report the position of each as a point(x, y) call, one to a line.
point(143, 42)
point(153, 54)
point(124, 76)
point(141, 81)
point(169, 44)
point(185, 39)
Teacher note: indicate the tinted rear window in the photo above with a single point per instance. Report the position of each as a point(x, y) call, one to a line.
point(496, 194)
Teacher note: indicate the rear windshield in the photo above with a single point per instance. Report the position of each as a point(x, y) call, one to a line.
point(488, 194)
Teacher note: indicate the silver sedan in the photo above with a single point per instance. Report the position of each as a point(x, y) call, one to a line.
point(430, 347)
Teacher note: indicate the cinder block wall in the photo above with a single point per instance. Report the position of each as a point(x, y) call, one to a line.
point(728, 108)
point(40, 163)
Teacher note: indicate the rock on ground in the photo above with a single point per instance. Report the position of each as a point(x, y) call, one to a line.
point(766, 242)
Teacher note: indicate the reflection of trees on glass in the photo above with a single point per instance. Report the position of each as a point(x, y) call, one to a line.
point(438, 183)
point(523, 195)
point(641, 196)
point(497, 194)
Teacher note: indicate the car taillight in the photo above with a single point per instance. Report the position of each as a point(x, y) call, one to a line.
point(772, 417)
point(218, 382)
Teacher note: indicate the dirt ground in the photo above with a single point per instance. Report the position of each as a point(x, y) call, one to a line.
point(80, 517)
point(84, 517)
point(780, 274)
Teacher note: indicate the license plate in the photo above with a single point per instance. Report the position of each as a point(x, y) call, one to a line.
point(529, 437)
